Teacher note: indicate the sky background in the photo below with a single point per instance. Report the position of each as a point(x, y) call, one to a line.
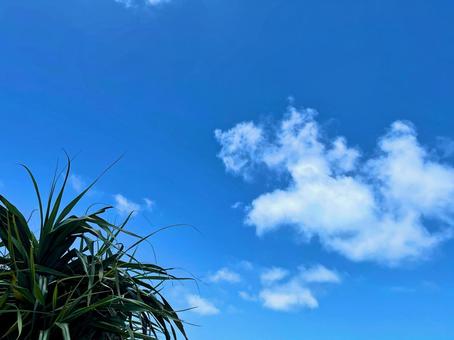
point(153, 81)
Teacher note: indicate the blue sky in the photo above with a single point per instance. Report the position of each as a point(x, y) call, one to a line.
point(309, 142)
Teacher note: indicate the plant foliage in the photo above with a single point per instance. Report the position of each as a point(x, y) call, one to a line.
point(75, 280)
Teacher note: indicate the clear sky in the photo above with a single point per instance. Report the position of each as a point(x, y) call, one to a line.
point(309, 142)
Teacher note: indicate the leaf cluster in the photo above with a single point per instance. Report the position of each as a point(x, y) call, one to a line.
point(76, 280)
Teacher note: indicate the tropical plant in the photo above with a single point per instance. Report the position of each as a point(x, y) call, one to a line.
point(75, 280)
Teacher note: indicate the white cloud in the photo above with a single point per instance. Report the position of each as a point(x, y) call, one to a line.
point(77, 183)
point(373, 209)
point(149, 204)
point(237, 205)
point(126, 3)
point(272, 275)
point(319, 274)
point(125, 206)
point(288, 296)
point(133, 3)
point(156, 2)
point(247, 296)
point(246, 265)
point(201, 306)
point(225, 275)
point(445, 146)
point(240, 147)
point(282, 291)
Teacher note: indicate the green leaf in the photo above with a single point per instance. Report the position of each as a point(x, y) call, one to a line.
point(35, 185)
point(78, 276)
point(64, 330)
point(44, 335)
point(4, 298)
point(55, 296)
point(19, 323)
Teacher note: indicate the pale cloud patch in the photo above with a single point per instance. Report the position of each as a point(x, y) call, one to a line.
point(77, 183)
point(246, 265)
point(247, 296)
point(288, 296)
point(272, 275)
point(201, 305)
point(241, 145)
point(126, 3)
point(125, 206)
point(237, 205)
point(319, 274)
point(225, 275)
point(156, 2)
point(284, 291)
point(134, 3)
point(367, 209)
point(430, 285)
point(149, 204)
point(446, 146)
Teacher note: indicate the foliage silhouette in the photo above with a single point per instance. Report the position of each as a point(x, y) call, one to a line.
point(75, 280)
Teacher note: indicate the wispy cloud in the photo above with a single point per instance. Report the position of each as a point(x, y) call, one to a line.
point(445, 146)
point(247, 296)
point(124, 205)
point(201, 305)
point(133, 3)
point(237, 205)
point(77, 183)
point(149, 204)
point(283, 291)
point(423, 286)
point(319, 274)
point(274, 274)
point(156, 2)
point(373, 208)
point(225, 275)
point(240, 146)
point(288, 296)
point(246, 265)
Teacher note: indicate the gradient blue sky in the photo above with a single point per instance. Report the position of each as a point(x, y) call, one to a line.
point(100, 78)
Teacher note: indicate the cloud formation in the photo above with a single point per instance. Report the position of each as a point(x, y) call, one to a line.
point(288, 296)
point(273, 274)
point(296, 292)
point(319, 274)
point(237, 205)
point(240, 147)
point(225, 275)
point(247, 296)
point(375, 208)
point(77, 183)
point(201, 306)
point(133, 3)
point(149, 204)
point(124, 205)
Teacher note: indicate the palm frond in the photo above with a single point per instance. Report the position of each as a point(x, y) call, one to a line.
point(76, 281)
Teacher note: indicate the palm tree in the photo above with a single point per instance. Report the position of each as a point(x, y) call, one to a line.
point(75, 280)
